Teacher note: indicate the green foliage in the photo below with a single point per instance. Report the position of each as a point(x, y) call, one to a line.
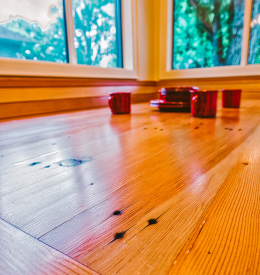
point(36, 44)
point(254, 49)
point(95, 36)
point(95, 32)
point(193, 32)
point(257, 52)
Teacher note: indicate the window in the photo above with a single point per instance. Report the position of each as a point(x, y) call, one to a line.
point(98, 32)
point(36, 30)
point(254, 47)
point(207, 33)
point(31, 29)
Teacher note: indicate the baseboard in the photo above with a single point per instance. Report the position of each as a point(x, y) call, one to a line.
point(28, 108)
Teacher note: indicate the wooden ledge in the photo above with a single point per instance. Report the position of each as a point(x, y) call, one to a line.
point(233, 79)
point(32, 82)
point(28, 108)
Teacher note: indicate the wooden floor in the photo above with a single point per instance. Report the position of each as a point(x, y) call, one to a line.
point(148, 193)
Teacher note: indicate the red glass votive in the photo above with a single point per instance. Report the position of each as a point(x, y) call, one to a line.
point(176, 94)
point(203, 103)
point(120, 103)
point(161, 96)
point(231, 98)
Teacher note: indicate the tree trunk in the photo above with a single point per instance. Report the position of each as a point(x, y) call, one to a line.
point(216, 40)
point(235, 46)
point(236, 14)
point(254, 34)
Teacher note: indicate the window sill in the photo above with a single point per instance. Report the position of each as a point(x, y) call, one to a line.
point(228, 71)
point(14, 67)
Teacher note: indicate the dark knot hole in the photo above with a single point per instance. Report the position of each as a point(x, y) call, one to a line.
point(152, 221)
point(117, 212)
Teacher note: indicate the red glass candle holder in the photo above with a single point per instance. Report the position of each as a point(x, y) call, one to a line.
point(176, 94)
point(231, 98)
point(161, 96)
point(203, 103)
point(120, 103)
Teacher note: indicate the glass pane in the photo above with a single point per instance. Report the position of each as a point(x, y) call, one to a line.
point(33, 29)
point(254, 47)
point(97, 32)
point(207, 33)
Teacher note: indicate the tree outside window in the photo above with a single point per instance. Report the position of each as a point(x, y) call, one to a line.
point(207, 33)
point(33, 29)
point(97, 32)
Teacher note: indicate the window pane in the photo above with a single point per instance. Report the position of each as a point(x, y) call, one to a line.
point(207, 33)
point(33, 29)
point(97, 32)
point(254, 47)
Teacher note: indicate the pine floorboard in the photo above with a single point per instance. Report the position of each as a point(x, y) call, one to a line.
point(22, 254)
point(169, 168)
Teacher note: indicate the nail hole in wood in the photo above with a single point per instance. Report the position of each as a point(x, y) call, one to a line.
point(34, 163)
point(119, 235)
point(117, 212)
point(152, 221)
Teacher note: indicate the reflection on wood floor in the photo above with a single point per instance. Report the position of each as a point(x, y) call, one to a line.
point(148, 193)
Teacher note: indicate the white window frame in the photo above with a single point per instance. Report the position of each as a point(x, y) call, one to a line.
point(166, 46)
point(16, 67)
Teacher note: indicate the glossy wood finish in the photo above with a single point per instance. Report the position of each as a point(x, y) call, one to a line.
point(26, 108)
point(23, 96)
point(226, 240)
point(32, 82)
point(22, 254)
point(163, 169)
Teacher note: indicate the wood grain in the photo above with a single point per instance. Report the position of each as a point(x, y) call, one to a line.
point(149, 165)
point(22, 254)
point(65, 192)
point(30, 82)
point(226, 241)
point(184, 201)
point(154, 248)
point(33, 107)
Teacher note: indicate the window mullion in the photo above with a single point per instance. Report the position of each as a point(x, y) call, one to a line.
point(170, 20)
point(118, 11)
point(246, 32)
point(70, 32)
point(128, 34)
